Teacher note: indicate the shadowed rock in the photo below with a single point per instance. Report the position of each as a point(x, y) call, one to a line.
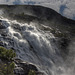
point(3, 24)
point(23, 68)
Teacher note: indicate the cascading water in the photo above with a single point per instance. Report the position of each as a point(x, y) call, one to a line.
point(33, 45)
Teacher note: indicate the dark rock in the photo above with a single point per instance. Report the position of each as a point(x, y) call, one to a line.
point(23, 68)
point(16, 27)
point(63, 44)
point(4, 34)
point(2, 44)
point(3, 24)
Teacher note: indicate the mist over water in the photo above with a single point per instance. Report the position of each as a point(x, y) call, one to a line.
point(37, 46)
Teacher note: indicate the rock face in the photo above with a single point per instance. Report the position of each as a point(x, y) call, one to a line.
point(23, 68)
point(44, 16)
point(3, 24)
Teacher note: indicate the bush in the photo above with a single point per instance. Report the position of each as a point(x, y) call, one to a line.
point(7, 65)
point(31, 72)
point(7, 69)
point(7, 54)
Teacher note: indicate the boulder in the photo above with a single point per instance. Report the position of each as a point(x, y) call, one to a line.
point(3, 24)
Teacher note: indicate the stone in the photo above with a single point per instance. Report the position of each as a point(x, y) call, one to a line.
point(3, 24)
point(23, 68)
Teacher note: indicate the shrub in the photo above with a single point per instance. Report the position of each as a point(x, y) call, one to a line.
point(31, 72)
point(7, 54)
point(7, 65)
point(7, 69)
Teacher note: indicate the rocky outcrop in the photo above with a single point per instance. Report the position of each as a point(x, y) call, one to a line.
point(45, 16)
point(3, 24)
point(23, 68)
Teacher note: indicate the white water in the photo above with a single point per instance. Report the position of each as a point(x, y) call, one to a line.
point(34, 45)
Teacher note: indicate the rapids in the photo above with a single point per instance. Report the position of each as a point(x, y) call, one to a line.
point(33, 45)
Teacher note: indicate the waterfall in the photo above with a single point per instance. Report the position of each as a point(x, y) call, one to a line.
point(33, 45)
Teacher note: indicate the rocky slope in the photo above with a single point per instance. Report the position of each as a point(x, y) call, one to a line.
point(39, 35)
point(40, 14)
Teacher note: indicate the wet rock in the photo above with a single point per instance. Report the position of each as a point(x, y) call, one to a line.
point(16, 27)
point(3, 24)
point(2, 44)
point(17, 35)
point(4, 34)
point(23, 68)
point(63, 44)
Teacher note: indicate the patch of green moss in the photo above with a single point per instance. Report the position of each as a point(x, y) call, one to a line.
point(31, 72)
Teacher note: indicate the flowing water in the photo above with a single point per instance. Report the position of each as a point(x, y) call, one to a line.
point(34, 45)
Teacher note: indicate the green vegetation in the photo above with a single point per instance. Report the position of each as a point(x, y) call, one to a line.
point(58, 34)
point(31, 72)
point(7, 69)
point(6, 54)
point(61, 35)
point(22, 17)
point(7, 65)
